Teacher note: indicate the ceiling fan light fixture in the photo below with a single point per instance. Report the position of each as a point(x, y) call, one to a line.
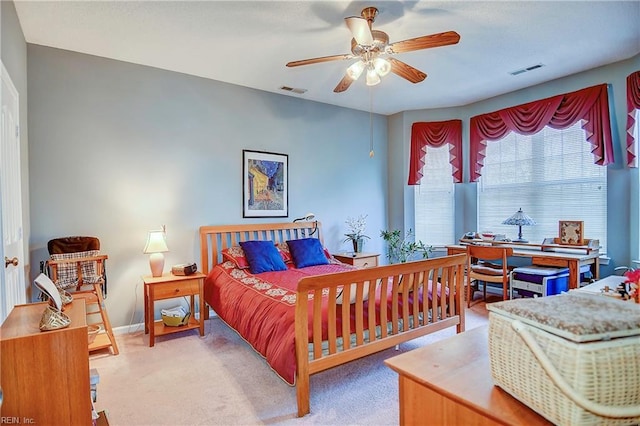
point(355, 70)
point(382, 66)
point(372, 76)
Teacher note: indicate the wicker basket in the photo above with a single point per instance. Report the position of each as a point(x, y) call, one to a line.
point(53, 319)
point(573, 358)
point(93, 330)
point(170, 321)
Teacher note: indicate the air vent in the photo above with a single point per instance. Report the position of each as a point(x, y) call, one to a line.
point(293, 89)
point(527, 69)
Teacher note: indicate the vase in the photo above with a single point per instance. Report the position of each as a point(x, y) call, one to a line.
point(357, 245)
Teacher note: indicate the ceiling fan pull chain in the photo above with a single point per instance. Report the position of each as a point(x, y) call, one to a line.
point(371, 153)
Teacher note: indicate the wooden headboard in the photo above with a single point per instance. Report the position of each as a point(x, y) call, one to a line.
point(214, 239)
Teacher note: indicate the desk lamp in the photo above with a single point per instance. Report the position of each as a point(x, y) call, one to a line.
point(520, 219)
point(308, 217)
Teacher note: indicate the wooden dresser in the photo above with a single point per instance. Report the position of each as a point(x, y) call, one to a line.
point(449, 383)
point(45, 374)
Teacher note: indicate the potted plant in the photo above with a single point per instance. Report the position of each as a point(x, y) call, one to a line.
point(356, 234)
point(401, 249)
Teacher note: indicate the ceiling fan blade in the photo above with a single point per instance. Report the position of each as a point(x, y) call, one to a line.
point(344, 84)
point(360, 30)
point(424, 42)
point(406, 71)
point(319, 60)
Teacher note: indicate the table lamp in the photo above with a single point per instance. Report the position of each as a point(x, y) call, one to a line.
point(156, 245)
point(520, 219)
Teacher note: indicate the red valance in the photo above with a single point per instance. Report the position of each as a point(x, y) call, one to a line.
point(435, 134)
point(633, 103)
point(559, 112)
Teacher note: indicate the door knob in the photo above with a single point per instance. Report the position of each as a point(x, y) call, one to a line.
point(8, 261)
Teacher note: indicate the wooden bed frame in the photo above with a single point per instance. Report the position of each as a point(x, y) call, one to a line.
point(446, 309)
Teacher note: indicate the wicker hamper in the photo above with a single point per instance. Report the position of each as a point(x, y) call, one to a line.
point(574, 358)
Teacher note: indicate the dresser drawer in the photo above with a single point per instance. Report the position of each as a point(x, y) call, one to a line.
point(175, 289)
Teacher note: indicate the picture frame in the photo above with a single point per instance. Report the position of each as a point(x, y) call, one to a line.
point(571, 232)
point(265, 184)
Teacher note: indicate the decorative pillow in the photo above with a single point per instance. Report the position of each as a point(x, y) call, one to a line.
point(236, 255)
point(284, 251)
point(307, 252)
point(68, 272)
point(262, 256)
point(327, 254)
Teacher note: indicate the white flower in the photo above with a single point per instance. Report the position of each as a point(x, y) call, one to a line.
point(357, 227)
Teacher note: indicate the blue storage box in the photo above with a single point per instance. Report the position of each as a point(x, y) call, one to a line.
point(536, 280)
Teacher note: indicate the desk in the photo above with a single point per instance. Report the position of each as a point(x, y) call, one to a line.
point(558, 259)
point(449, 383)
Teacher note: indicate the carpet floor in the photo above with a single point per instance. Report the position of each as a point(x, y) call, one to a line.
point(218, 379)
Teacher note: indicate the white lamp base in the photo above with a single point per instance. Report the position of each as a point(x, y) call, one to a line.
point(156, 261)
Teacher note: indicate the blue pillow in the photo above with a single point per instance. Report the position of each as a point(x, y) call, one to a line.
point(262, 256)
point(307, 252)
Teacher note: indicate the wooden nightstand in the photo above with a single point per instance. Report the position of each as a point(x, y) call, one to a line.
point(365, 260)
point(169, 286)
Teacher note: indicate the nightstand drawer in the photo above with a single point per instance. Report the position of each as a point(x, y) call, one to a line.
point(366, 262)
point(176, 289)
point(361, 260)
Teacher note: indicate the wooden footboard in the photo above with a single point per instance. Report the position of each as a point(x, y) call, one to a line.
point(401, 316)
point(394, 287)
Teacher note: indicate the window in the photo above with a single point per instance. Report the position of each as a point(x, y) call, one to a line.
point(636, 137)
point(550, 175)
point(434, 203)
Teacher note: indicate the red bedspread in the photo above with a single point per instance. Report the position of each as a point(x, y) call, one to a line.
point(261, 308)
point(262, 312)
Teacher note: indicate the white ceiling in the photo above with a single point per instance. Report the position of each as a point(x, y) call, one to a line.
point(248, 43)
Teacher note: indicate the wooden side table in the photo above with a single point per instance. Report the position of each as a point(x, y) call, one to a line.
point(364, 260)
point(170, 286)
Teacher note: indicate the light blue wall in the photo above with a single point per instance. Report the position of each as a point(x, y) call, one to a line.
point(622, 225)
point(118, 149)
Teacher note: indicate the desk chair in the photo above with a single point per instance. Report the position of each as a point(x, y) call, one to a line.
point(76, 266)
point(479, 268)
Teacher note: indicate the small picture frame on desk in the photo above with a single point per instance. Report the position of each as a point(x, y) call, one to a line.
point(571, 232)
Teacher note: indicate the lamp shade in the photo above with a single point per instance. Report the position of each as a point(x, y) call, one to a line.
point(308, 216)
point(372, 77)
point(355, 70)
point(155, 243)
point(519, 219)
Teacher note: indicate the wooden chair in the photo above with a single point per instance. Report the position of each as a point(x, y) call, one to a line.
point(76, 266)
point(480, 268)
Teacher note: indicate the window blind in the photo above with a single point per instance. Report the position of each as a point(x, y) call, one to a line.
point(434, 199)
point(551, 176)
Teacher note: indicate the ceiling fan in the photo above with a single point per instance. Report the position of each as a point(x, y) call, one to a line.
point(372, 49)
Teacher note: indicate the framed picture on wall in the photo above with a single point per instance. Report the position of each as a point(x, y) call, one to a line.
point(265, 184)
point(571, 232)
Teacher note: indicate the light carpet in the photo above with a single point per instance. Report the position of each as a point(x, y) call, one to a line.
point(218, 379)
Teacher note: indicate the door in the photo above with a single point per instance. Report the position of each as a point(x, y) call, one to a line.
point(13, 290)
